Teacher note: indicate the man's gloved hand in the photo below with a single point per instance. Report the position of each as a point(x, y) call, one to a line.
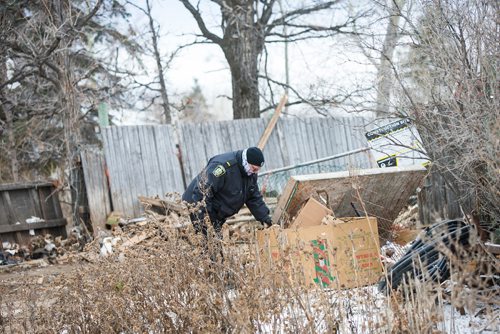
point(267, 221)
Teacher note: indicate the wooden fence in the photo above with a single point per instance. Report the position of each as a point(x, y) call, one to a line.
point(437, 201)
point(143, 160)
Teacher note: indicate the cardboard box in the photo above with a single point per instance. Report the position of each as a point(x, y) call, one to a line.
point(337, 256)
point(311, 214)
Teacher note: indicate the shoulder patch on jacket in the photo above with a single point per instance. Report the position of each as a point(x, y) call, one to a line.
point(219, 171)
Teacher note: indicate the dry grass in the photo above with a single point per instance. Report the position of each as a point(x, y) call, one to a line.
point(165, 284)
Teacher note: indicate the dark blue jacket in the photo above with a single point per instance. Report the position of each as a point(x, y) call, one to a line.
point(227, 187)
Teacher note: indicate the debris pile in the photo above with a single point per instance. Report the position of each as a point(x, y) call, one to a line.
point(406, 226)
point(44, 247)
point(171, 210)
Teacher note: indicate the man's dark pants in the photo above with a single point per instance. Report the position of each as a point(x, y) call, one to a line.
point(214, 240)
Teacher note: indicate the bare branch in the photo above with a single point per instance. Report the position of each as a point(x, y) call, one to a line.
point(201, 24)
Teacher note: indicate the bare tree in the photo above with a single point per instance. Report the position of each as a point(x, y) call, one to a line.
point(246, 26)
point(51, 82)
point(384, 71)
point(449, 86)
point(160, 66)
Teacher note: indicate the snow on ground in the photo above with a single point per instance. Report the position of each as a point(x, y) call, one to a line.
point(365, 310)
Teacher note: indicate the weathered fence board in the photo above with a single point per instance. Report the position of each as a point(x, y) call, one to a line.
point(96, 185)
point(437, 200)
point(142, 161)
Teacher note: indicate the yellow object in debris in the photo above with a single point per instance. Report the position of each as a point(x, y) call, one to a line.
point(113, 219)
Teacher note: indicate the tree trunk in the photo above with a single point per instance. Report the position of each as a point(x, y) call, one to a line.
point(245, 86)
point(6, 109)
point(163, 86)
point(243, 42)
point(384, 70)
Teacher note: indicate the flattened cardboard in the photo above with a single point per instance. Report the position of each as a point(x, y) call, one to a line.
point(311, 214)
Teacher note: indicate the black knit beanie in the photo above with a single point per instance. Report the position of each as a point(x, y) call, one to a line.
point(255, 156)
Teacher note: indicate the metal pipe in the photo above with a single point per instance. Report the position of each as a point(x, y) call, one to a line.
point(341, 155)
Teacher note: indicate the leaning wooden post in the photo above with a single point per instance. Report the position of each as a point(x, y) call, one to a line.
point(268, 131)
point(272, 123)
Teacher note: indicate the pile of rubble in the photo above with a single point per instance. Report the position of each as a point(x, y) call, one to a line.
point(46, 247)
point(171, 210)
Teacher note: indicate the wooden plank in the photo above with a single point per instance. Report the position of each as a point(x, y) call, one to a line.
point(272, 152)
point(49, 200)
point(120, 198)
point(10, 212)
point(313, 151)
point(223, 145)
point(186, 147)
point(40, 202)
point(130, 160)
point(196, 151)
point(209, 140)
point(4, 211)
point(110, 139)
point(175, 171)
point(25, 185)
point(252, 131)
point(33, 226)
point(344, 142)
point(329, 135)
point(150, 161)
point(272, 123)
point(136, 183)
point(283, 148)
point(317, 141)
point(360, 141)
point(284, 200)
point(290, 138)
point(163, 153)
point(233, 136)
point(333, 140)
point(300, 141)
point(96, 186)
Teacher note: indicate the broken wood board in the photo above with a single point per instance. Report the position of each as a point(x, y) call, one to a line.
point(136, 239)
point(383, 193)
point(163, 206)
point(272, 123)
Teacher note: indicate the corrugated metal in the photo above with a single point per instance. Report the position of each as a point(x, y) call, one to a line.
point(142, 160)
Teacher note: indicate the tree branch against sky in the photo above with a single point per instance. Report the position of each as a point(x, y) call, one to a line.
point(246, 26)
point(154, 47)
